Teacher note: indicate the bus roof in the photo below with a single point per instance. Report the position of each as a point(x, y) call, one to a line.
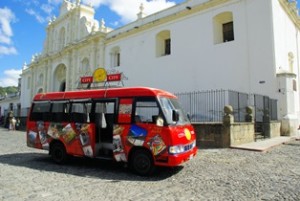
point(103, 93)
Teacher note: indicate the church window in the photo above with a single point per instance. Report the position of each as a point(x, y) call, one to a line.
point(40, 90)
point(228, 32)
point(115, 57)
point(223, 28)
point(163, 43)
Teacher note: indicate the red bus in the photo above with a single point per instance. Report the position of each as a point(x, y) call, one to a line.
point(141, 126)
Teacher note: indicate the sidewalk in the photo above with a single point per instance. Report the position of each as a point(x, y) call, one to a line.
point(263, 145)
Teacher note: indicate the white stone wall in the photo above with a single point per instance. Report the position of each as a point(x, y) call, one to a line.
point(5, 104)
point(196, 62)
point(286, 53)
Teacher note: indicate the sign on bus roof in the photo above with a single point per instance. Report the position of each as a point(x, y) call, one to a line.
point(100, 76)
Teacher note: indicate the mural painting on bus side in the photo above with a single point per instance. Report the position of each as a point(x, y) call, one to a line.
point(42, 134)
point(38, 137)
point(137, 137)
point(118, 148)
point(32, 136)
point(67, 133)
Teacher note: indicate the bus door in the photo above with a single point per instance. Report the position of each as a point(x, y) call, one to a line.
point(104, 122)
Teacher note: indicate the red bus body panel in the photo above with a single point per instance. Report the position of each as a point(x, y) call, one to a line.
point(79, 139)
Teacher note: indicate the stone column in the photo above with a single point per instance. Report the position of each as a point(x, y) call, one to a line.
point(249, 114)
point(228, 120)
point(45, 71)
point(228, 117)
point(287, 103)
point(70, 70)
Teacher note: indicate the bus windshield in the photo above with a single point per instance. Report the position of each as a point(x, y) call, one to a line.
point(168, 105)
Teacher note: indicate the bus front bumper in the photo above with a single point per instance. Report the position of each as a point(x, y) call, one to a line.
point(178, 159)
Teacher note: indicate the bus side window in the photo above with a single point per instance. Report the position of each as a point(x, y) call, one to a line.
point(40, 111)
point(104, 112)
point(60, 111)
point(146, 110)
point(80, 112)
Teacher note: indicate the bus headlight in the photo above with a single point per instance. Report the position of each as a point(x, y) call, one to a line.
point(176, 149)
point(181, 148)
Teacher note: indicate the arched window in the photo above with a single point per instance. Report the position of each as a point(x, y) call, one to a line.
point(62, 86)
point(223, 27)
point(163, 43)
point(115, 56)
point(40, 90)
point(59, 78)
point(62, 38)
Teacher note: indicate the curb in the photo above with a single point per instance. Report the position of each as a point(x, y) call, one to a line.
point(263, 146)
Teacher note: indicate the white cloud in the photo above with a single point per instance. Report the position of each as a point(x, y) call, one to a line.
point(42, 12)
point(47, 8)
point(55, 2)
point(96, 3)
point(128, 9)
point(6, 18)
point(7, 50)
point(11, 78)
point(37, 16)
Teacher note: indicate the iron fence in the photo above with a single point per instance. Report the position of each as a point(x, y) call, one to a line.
point(264, 105)
point(208, 106)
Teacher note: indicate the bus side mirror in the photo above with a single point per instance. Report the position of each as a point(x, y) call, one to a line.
point(175, 115)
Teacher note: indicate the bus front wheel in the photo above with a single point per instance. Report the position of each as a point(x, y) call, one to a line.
point(58, 152)
point(142, 162)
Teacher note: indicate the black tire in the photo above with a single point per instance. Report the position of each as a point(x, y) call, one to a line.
point(142, 162)
point(58, 153)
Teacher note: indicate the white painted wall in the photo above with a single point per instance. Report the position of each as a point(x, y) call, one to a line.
point(286, 40)
point(196, 63)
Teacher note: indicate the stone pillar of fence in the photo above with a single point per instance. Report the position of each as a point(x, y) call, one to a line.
point(249, 114)
point(228, 120)
point(228, 117)
point(267, 124)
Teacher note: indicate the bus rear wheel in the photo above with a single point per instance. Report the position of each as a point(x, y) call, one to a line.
point(142, 162)
point(58, 152)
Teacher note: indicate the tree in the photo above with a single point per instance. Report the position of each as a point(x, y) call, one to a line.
point(8, 90)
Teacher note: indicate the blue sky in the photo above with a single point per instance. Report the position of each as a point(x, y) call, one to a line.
point(23, 26)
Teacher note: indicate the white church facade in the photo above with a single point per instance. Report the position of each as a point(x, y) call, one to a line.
point(251, 46)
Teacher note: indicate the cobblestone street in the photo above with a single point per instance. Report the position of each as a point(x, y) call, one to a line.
point(215, 174)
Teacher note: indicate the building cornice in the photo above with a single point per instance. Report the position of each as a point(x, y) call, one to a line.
point(290, 7)
point(168, 15)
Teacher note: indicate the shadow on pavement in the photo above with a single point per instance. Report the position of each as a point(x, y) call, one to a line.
point(292, 143)
point(84, 167)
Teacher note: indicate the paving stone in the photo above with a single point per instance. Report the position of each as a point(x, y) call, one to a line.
point(214, 174)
